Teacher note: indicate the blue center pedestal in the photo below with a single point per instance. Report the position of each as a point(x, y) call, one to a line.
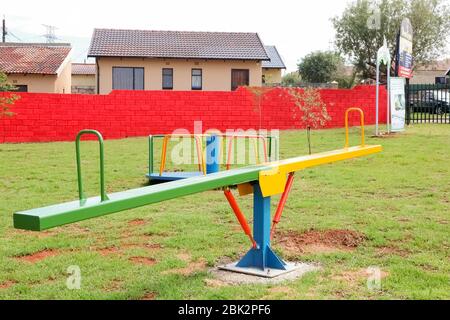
point(261, 261)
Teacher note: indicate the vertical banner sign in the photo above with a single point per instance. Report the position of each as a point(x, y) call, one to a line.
point(405, 50)
point(398, 104)
point(383, 57)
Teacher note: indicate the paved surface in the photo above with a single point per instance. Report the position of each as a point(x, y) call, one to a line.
point(233, 278)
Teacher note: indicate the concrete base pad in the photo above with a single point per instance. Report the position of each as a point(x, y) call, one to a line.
point(267, 273)
point(234, 275)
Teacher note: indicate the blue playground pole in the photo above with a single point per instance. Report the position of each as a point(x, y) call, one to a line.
point(212, 154)
point(263, 257)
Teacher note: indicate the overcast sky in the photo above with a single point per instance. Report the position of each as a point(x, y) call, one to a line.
point(296, 27)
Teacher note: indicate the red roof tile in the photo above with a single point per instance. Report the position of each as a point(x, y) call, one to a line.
point(34, 58)
point(83, 68)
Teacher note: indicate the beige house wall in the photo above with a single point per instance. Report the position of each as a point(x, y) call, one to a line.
point(37, 83)
point(63, 83)
point(216, 73)
point(83, 80)
point(272, 75)
point(40, 83)
point(426, 77)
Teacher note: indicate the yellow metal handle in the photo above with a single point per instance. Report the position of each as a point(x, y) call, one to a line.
point(199, 146)
point(347, 143)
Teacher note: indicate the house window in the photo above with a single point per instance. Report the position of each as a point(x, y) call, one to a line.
point(239, 77)
point(197, 79)
point(20, 88)
point(167, 79)
point(128, 78)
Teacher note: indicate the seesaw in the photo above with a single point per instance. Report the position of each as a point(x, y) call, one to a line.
point(263, 181)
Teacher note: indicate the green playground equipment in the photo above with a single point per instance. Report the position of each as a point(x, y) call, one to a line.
point(262, 180)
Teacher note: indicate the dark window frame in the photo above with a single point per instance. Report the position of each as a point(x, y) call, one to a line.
point(163, 75)
point(134, 77)
point(240, 70)
point(201, 79)
point(20, 88)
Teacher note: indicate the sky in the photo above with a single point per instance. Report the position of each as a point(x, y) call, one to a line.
point(296, 27)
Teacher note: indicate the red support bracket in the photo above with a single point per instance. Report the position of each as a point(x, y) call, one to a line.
point(240, 216)
point(282, 203)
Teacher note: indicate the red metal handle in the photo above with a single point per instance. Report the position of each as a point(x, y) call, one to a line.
point(282, 203)
point(240, 216)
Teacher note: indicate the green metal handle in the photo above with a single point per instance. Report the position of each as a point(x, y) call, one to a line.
point(272, 140)
point(151, 143)
point(103, 195)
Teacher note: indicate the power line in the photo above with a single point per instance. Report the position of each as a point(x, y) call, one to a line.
point(12, 34)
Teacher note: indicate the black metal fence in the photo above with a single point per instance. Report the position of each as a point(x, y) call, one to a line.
point(428, 103)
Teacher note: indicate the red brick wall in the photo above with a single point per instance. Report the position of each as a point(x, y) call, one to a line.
point(121, 114)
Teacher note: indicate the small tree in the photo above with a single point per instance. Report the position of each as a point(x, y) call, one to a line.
point(258, 94)
point(310, 110)
point(291, 79)
point(320, 66)
point(6, 101)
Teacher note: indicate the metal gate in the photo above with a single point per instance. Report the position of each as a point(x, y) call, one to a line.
point(428, 103)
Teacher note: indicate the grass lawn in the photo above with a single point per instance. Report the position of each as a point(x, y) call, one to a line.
point(397, 201)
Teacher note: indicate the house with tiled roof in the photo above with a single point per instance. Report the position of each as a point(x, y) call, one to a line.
point(83, 78)
point(176, 60)
point(273, 68)
point(429, 73)
point(37, 67)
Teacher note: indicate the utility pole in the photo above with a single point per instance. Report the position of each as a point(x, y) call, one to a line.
point(50, 34)
point(4, 33)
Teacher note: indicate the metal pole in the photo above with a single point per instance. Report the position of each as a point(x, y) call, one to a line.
point(213, 154)
point(4, 30)
point(377, 98)
point(262, 257)
point(388, 87)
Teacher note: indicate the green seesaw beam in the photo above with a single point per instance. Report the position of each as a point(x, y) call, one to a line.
point(70, 212)
point(61, 214)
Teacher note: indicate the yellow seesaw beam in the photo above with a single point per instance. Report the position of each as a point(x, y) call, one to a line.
point(273, 181)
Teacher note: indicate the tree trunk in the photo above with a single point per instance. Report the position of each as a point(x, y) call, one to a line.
point(308, 131)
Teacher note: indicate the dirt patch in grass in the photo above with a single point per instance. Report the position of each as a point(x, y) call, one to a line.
point(356, 276)
point(114, 285)
point(184, 256)
point(137, 222)
point(279, 292)
point(143, 260)
point(385, 135)
point(215, 283)
point(7, 284)
point(38, 256)
point(315, 241)
point(191, 268)
point(153, 246)
point(77, 229)
point(109, 251)
point(149, 296)
point(392, 250)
